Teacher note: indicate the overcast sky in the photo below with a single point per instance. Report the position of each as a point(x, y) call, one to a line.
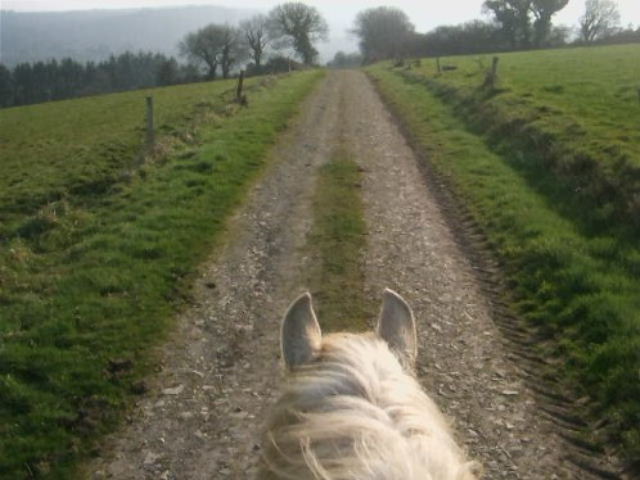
point(425, 14)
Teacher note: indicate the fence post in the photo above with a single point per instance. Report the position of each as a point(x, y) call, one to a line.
point(492, 75)
point(438, 64)
point(239, 89)
point(151, 136)
point(240, 97)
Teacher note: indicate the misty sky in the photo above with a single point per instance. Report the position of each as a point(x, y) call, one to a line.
point(425, 14)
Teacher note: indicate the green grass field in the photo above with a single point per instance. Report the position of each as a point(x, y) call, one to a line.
point(597, 86)
point(574, 110)
point(572, 262)
point(96, 250)
point(75, 146)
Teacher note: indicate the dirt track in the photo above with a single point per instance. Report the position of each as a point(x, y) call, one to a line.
point(203, 413)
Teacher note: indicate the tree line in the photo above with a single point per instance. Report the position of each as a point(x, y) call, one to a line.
point(38, 82)
point(292, 26)
point(212, 51)
point(386, 32)
point(266, 43)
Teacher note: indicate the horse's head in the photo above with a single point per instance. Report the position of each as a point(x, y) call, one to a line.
point(352, 408)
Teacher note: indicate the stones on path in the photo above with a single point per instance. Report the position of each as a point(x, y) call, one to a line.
point(173, 391)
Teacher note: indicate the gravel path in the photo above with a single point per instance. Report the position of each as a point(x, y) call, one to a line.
point(463, 363)
point(203, 413)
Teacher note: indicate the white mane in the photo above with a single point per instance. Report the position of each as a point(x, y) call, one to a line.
point(352, 412)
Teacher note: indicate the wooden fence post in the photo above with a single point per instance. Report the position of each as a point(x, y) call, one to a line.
point(240, 82)
point(438, 64)
point(151, 136)
point(492, 75)
point(240, 97)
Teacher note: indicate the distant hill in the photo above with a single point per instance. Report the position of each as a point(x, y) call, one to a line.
point(95, 34)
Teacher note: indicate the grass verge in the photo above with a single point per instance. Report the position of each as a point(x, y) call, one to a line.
point(338, 243)
point(578, 289)
point(83, 299)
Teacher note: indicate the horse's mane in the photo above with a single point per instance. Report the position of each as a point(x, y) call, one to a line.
point(353, 413)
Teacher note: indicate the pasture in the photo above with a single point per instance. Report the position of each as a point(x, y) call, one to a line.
point(77, 147)
point(98, 242)
point(596, 88)
point(575, 109)
point(547, 165)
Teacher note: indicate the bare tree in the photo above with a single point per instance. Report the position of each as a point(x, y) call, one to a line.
point(383, 32)
point(204, 46)
point(215, 46)
point(302, 25)
point(233, 49)
point(256, 33)
point(601, 19)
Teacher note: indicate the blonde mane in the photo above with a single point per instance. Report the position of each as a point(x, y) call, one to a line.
point(351, 411)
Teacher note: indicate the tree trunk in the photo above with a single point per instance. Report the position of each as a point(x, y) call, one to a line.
point(212, 71)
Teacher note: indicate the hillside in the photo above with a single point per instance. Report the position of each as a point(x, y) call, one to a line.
point(95, 34)
point(572, 110)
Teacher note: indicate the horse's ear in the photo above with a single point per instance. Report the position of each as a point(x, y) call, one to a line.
point(397, 327)
point(301, 337)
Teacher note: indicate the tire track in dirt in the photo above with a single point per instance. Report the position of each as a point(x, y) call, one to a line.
point(465, 362)
point(202, 416)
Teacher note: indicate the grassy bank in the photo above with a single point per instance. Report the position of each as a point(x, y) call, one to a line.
point(572, 111)
point(338, 243)
point(578, 285)
point(81, 147)
point(90, 277)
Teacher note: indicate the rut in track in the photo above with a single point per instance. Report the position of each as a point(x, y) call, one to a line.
point(202, 417)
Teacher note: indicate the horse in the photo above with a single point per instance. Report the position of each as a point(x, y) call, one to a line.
point(352, 407)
